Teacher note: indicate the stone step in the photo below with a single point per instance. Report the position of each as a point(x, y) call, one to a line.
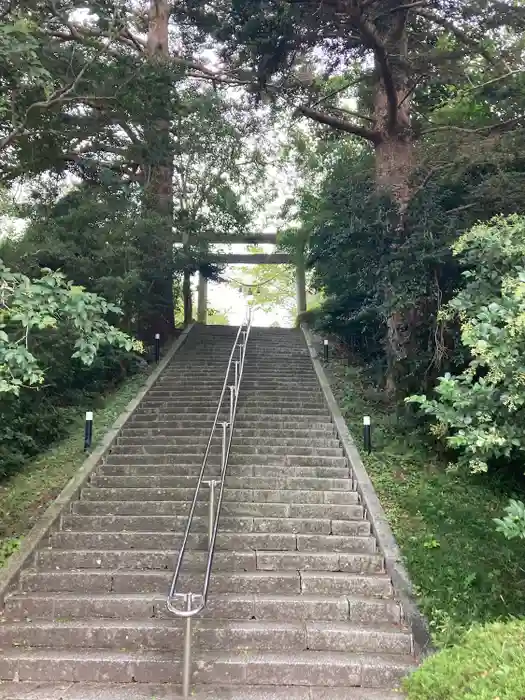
point(271, 483)
point(240, 442)
point(257, 582)
point(209, 635)
point(152, 419)
point(286, 608)
point(270, 423)
point(236, 458)
point(287, 433)
point(146, 560)
point(230, 495)
point(192, 470)
point(277, 412)
point(261, 449)
point(206, 391)
point(255, 412)
point(247, 384)
point(208, 363)
point(223, 561)
point(331, 511)
point(166, 691)
point(142, 416)
point(273, 541)
point(310, 668)
point(205, 396)
point(191, 432)
point(246, 403)
point(176, 523)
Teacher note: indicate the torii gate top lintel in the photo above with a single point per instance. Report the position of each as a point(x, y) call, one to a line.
point(256, 259)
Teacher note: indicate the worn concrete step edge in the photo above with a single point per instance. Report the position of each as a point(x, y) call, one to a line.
point(272, 483)
point(240, 541)
point(174, 523)
point(277, 496)
point(256, 582)
point(325, 669)
point(262, 510)
point(209, 635)
point(263, 471)
point(286, 608)
point(146, 560)
point(166, 691)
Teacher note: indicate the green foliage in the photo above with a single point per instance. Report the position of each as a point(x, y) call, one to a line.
point(97, 235)
point(24, 495)
point(52, 305)
point(218, 168)
point(271, 287)
point(364, 272)
point(57, 349)
point(487, 664)
point(217, 318)
point(512, 525)
point(463, 571)
point(480, 412)
point(21, 64)
point(35, 419)
point(8, 547)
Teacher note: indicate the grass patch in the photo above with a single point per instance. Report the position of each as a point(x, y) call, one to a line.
point(487, 664)
point(462, 569)
point(25, 495)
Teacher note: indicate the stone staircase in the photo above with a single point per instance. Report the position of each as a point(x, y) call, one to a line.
point(300, 607)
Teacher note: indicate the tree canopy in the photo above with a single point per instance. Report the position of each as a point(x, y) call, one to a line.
point(136, 136)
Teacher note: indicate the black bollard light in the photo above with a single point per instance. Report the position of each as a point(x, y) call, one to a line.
point(367, 434)
point(157, 347)
point(88, 430)
point(326, 350)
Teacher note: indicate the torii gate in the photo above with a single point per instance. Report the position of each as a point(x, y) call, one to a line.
point(253, 258)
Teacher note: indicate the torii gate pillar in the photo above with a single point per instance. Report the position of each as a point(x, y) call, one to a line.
point(300, 280)
point(202, 303)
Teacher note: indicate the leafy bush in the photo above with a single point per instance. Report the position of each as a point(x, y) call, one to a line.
point(57, 351)
point(37, 418)
point(512, 525)
point(50, 304)
point(481, 411)
point(488, 664)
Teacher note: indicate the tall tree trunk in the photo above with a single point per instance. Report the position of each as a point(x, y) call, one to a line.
point(158, 186)
point(394, 161)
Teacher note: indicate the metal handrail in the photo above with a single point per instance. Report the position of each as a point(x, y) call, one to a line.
point(194, 603)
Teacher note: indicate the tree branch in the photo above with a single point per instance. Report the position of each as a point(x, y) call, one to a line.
point(350, 113)
point(341, 124)
point(464, 207)
point(435, 169)
point(490, 129)
point(57, 97)
point(370, 36)
point(356, 81)
point(462, 36)
point(402, 8)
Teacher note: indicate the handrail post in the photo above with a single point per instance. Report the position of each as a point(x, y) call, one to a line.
point(236, 376)
point(232, 405)
point(186, 661)
point(224, 445)
point(212, 483)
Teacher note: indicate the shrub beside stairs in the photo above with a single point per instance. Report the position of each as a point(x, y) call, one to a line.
point(300, 607)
